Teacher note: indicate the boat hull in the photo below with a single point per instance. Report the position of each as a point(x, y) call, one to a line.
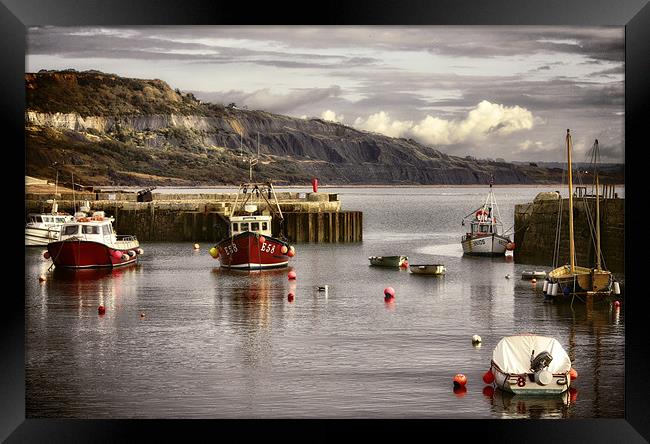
point(428, 269)
point(245, 251)
point(89, 254)
point(583, 282)
point(525, 384)
point(387, 261)
point(488, 245)
point(35, 236)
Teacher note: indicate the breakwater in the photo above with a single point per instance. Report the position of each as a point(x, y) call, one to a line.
point(308, 217)
point(536, 224)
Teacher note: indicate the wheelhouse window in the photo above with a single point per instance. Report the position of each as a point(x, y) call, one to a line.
point(265, 226)
point(255, 226)
point(90, 229)
point(235, 226)
point(106, 229)
point(244, 226)
point(70, 230)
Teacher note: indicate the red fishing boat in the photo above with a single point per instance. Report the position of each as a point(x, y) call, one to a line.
point(90, 242)
point(250, 244)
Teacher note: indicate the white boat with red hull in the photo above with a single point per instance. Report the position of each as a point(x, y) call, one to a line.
point(250, 244)
point(90, 242)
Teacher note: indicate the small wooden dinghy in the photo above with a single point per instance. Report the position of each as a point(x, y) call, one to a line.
point(430, 269)
point(387, 261)
point(533, 275)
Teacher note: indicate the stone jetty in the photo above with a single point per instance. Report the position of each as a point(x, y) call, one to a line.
point(536, 224)
point(308, 217)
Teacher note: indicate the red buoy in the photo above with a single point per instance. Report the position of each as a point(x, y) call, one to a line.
point(488, 391)
point(117, 254)
point(488, 377)
point(510, 246)
point(291, 252)
point(405, 264)
point(284, 249)
point(290, 297)
point(314, 185)
point(262, 239)
point(46, 255)
point(389, 292)
point(460, 380)
point(573, 374)
point(101, 310)
point(292, 275)
point(573, 395)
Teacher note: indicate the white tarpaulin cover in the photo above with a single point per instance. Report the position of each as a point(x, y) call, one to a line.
point(512, 354)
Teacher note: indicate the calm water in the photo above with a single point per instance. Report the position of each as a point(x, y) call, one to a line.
point(218, 344)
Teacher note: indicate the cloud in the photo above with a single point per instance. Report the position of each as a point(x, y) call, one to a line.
point(267, 100)
point(483, 121)
point(331, 116)
point(382, 123)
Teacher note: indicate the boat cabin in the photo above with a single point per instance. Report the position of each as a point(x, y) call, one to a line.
point(48, 219)
point(97, 231)
point(255, 224)
point(483, 228)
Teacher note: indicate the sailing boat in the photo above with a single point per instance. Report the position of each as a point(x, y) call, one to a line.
point(570, 280)
point(485, 237)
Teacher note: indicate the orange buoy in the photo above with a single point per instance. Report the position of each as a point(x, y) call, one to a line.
point(460, 380)
point(284, 249)
point(405, 264)
point(573, 374)
point(292, 275)
point(488, 391)
point(101, 310)
point(510, 246)
point(488, 377)
point(291, 252)
point(46, 254)
point(290, 297)
point(262, 239)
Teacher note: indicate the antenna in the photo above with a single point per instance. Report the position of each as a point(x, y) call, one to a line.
point(253, 161)
point(74, 202)
point(241, 142)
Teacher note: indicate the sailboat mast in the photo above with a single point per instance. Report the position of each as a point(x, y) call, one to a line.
point(597, 207)
point(571, 245)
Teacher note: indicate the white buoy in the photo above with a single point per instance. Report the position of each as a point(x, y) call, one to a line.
point(507, 276)
point(617, 288)
point(545, 287)
point(476, 339)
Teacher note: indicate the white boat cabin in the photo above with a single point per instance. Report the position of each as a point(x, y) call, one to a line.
point(94, 230)
point(48, 220)
point(484, 228)
point(255, 224)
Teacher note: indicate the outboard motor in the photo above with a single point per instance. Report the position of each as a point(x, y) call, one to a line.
point(538, 365)
point(540, 361)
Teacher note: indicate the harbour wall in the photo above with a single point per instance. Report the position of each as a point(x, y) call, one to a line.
point(308, 217)
point(536, 224)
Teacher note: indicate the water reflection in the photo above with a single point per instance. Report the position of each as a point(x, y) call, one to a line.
point(511, 406)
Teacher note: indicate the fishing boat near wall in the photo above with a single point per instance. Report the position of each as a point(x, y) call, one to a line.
point(485, 237)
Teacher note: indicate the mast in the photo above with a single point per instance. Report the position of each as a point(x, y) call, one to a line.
point(571, 245)
point(597, 207)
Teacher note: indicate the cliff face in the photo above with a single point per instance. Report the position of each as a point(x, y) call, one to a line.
point(108, 129)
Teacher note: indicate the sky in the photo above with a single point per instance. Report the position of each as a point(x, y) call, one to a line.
point(492, 92)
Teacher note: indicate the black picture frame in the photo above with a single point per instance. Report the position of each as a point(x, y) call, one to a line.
point(17, 15)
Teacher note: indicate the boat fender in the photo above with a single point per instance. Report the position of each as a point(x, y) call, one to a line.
point(125, 257)
point(573, 374)
point(488, 377)
point(131, 253)
point(617, 288)
point(262, 239)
